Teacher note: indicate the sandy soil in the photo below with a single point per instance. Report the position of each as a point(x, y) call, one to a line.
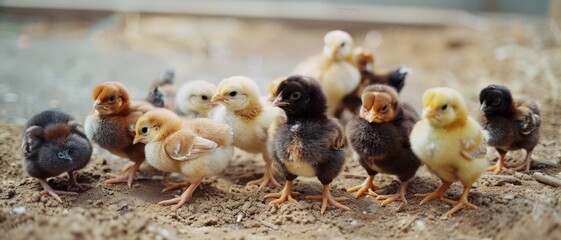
point(511, 206)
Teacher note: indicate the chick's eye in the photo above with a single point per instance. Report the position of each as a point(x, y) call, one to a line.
point(112, 99)
point(444, 107)
point(385, 108)
point(295, 96)
point(233, 94)
point(144, 130)
point(343, 44)
point(497, 101)
point(204, 97)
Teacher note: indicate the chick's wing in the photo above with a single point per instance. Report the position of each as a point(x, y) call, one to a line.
point(184, 145)
point(528, 120)
point(32, 140)
point(221, 134)
point(474, 148)
point(337, 135)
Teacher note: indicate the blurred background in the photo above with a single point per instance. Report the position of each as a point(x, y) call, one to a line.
point(54, 52)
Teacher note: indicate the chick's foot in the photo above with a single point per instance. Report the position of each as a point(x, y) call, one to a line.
point(328, 199)
point(499, 166)
point(128, 178)
point(286, 194)
point(173, 186)
point(73, 182)
point(462, 203)
point(267, 179)
point(399, 196)
point(525, 166)
point(185, 196)
point(48, 190)
point(366, 186)
point(438, 194)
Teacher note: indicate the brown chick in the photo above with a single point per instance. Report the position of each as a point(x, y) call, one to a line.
point(364, 59)
point(111, 125)
point(197, 148)
point(54, 143)
point(162, 92)
point(308, 143)
point(334, 69)
point(510, 124)
point(380, 136)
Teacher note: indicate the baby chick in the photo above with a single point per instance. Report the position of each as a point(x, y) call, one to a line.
point(193, 99)
point(380, 136)
point(334, 69)
point(197, 148)
point(249, 119)
point(364, 59)
point(53, 143)
point(511, 124)
point(309, 143)
point(450, 143)
point(162, 92)
point(111, 125)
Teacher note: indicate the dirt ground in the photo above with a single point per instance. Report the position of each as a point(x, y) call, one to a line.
point(520, 54)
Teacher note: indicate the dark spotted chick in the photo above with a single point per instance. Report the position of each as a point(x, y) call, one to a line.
point(380, 137)
point(54, 143)
point(510, 123)
point(307, 143)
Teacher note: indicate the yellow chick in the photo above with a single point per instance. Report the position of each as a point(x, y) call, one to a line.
point(450, 143)
point(249, 118)
point(334, 68)
point(193, 99)
point(197, 148)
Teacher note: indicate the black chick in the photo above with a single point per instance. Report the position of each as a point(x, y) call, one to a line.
point(53, 143)
point(365, 62)
point(510, 123)
point(161, 93)
point(307, 143)
point(380, 136)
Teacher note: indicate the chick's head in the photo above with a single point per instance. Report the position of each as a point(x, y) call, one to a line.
point(237, 93)
point(495, 99)
point(337, 44)
point(195, 96)
point(379, 104)
point(156, 125)
point(301, 97)
point(444, 107)
point(364, 59)
point(110, 98)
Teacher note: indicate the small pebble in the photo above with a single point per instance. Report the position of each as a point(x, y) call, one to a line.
point(354, 222)
point(508, 197)
point(36, 197)
point(19, 210)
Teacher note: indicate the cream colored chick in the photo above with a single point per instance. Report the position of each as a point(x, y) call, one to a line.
point(450, 143)
point(249, 118)
point(197, 148)
point(334, 68)
point(193, 99)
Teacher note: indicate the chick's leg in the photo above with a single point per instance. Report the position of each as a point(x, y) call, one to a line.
point(73, 182)
point(267, 179)
point(328, 199)
point(48, 190)
point(399, 196)
point(525, 166)
point(284, 195)
point(128, 177)
point(173, 186)
point(185, 196)
point(438, 194)
point(462, 203)
point(366, 186)
point(500, 165)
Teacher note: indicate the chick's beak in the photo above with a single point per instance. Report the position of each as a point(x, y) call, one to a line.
point(371, 117)
point(137, 139)
point(278, 101)
point(428, 112)
point(483, 106)
point(217, 98)
point(64, 155)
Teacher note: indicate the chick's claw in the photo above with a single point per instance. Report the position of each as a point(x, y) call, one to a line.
point(185, 196)
point(328, 199)
point(366, 186)
point(48, 190)
point(462, 203)
point(173, 186)
point(128, 178)
point(267, 179)
point(286, 194)
point(438, 194)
